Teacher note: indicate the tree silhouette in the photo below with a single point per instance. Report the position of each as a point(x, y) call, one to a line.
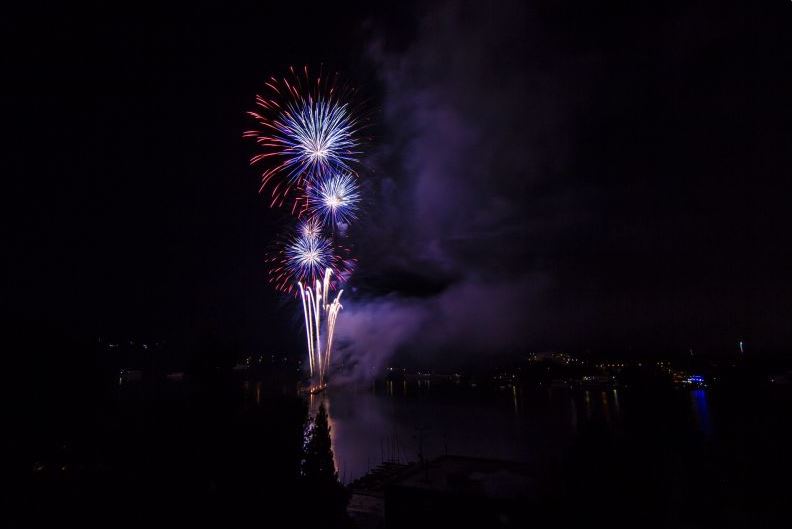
point(318, 466)
point(328, 496)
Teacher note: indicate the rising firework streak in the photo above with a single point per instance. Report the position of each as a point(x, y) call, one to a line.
point(316, 309)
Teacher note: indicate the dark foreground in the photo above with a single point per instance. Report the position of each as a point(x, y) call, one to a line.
point(217, 450)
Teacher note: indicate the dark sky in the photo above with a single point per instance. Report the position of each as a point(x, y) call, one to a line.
point(542, 175)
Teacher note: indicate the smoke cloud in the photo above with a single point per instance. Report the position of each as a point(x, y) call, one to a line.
point(470, 138)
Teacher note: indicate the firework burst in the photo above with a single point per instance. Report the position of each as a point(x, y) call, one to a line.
point(334, 200)
point(304, 258)
point(307, 255)
point(310, 227)
point(305, 132)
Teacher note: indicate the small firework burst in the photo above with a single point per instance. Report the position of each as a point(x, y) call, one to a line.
point(335, 199)
point(305, 256)
point(310, 227)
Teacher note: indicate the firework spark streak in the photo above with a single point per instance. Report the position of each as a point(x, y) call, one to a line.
point(306, 131)
point(334, 200)
point(315, 306)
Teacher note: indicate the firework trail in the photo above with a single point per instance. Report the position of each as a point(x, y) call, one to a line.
point(305, 131)
point(334, 200)
point(316, 309)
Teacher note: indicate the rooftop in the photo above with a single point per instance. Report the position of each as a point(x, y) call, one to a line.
point(469, 476)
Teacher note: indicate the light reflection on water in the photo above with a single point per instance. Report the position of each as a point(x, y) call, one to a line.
point(403, 420)
point(371, 426)
point(699, 401)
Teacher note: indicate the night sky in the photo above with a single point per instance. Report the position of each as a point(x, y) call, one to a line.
point(540, 175)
